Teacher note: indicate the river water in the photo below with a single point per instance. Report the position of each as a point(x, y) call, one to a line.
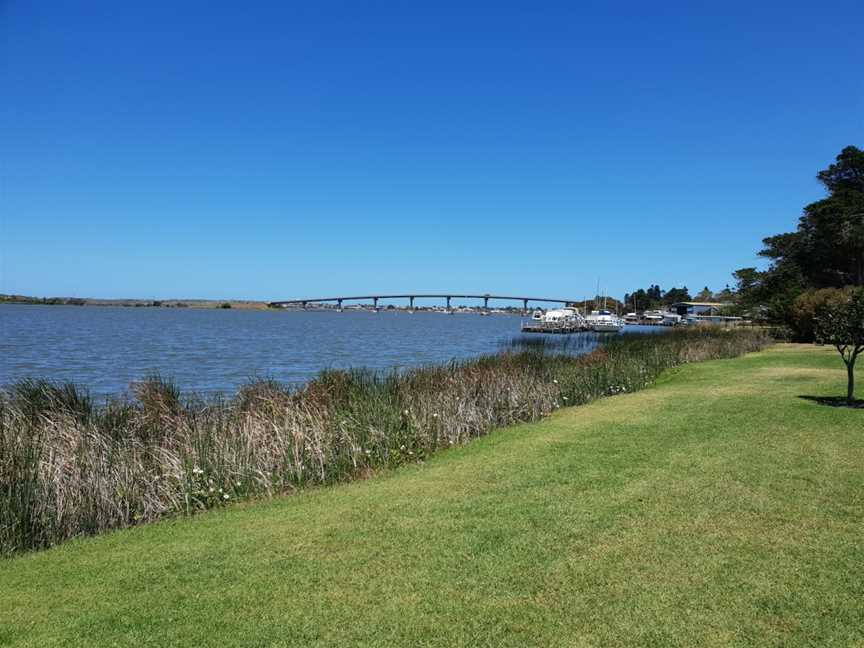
point(211, 350)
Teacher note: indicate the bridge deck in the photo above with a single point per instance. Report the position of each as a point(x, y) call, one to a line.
point(413, 296)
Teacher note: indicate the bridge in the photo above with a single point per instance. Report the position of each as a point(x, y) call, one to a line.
point(412, 296)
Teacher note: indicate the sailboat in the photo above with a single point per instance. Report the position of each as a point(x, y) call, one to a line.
point(603, 320)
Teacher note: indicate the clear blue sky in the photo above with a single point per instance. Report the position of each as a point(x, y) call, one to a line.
point(279, 149)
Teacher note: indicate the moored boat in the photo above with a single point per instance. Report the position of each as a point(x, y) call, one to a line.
point(569, 318)
point(652, 317)
point(604, 321)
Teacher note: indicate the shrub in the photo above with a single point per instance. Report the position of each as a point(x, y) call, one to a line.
point(808, 304)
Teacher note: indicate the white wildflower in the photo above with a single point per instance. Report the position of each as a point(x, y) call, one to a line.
point(225, 496)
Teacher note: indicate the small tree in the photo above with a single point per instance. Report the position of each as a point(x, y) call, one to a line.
point(842, 325)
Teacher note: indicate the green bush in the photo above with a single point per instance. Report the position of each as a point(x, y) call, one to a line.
point(806, 307)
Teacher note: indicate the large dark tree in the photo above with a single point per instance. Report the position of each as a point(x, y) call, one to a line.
point(834, 226)
point(637, 300)
point(642, 299)
point(676, 295)
point(826, 250)
point(769, 295)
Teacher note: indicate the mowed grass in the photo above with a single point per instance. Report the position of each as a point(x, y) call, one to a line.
point(716, 508)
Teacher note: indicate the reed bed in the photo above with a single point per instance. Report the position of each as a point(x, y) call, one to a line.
point(70, 467)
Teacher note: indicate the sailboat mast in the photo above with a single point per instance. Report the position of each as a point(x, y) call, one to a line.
point(594, 302)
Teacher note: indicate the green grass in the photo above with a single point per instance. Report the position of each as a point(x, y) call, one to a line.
point(716, 508)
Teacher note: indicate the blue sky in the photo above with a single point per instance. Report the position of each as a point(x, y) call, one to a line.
point(285, 149)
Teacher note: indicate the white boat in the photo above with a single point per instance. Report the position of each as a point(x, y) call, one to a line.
point(537, 315)
point(564, 317)
point(604, 321)
point(652, 316)
point(671, 319)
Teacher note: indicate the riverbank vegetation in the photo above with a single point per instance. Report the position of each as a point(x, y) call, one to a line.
point(716, 508)
point(70, 467)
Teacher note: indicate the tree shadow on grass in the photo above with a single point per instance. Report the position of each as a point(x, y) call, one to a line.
point(835, 401)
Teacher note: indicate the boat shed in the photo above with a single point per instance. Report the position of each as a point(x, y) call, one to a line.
point(697, 308)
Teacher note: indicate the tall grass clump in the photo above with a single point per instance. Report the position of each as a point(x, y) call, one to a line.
point(69, 467)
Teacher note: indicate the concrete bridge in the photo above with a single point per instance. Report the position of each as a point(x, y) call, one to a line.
point(412, 296)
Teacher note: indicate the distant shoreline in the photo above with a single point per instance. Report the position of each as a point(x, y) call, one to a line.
point(247, 304)
point(238, 304)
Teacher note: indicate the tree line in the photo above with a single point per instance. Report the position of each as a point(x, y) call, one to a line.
point(653, 298)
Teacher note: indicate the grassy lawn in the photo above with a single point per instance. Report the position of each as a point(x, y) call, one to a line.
point(716, 508)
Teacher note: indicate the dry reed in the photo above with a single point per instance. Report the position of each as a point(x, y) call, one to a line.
point(70, 468)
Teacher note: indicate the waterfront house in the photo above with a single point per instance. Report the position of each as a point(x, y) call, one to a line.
point(698, 308)
point(704, 313)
